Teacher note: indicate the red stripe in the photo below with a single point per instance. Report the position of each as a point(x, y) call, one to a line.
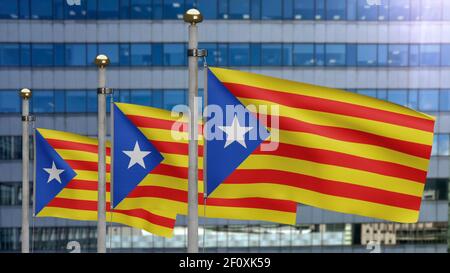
point(330, 106)
point(325, 186)
point(92, 206)
point(148, 122)
point(182, 196)
point(86, 185)
point(85, 165)
point(69, 145)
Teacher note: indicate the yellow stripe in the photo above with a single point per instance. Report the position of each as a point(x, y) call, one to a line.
point(53, 134)
point(80, 155)
point(146, 111)
point(167, 135)
point(277, 84)
point(84, 195)
point(140, 223)
point(89, 175)
point(342, 121)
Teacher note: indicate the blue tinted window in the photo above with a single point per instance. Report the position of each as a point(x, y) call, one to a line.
point(399, 10)
point(124, 54)
point(382, 94)
point(429, 55)
point(446, 7)
point(320, 10)
point(141, 9)
point(398, 97)
point(335, 55)
point(76, 55)
point(142, 97)
point(92, 104)
point(58, 10)
point(287, 54)
point(9, 9)
point(271, 54)
point(157, 97)
point(222, 8)
point(270, 9)
point(445, 55)
point(157, 52)
point(208, 8)
point(398, 55)
point(76, 101)
point(256, 9)
point(444, 100)
point(288, 9)
point(91, 53)
point(9, 55)
point(141, 54)
point(124, 96)
point(59, 96)
point(9, 102)
point(110, 50)
point(383, 10)
point(24, 9)
point(413, 99)
point(91, 7)
point(239, 54)
point(124, 9)
point(428, 100)
point(174, 54)
point(173, 97)
point(25, 54)
point(173, 9)
point(320, 54)
point(351, 54)
point(212, 52)
point(75, 11)
point(222, 56)
point(382, 58)
point(367, 55)
point(58, 54)
point(351, 9)
point(336, 9)
point(108, 9)
point(431, 10)
point(43, 102)
point(255, 50)
point(304, 9)
point(367, 11)
point(42, 55)
point(41, 9)
point(369, 92)
point(157, 12)
point(239, 9)
point(443, 144)
point(413, 55)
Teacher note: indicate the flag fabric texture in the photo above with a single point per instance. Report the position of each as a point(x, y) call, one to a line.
point(337, 150)
point(66, 184)
point(165, 186)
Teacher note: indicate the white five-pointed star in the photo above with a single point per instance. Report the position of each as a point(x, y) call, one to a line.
point(54, 173)
point(136, 156)
point(235, 132)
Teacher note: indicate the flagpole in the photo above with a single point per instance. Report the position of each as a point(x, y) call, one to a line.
point(26, 118)
point(193, 17)
point(102, 62)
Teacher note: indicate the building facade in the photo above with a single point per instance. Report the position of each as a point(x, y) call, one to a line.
point(395, 50)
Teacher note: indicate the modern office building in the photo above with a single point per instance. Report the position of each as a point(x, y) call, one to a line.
point(396, 50)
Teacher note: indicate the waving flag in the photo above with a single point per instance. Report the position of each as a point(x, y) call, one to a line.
point(336, 150)
point(165, 186)
point(66, 184)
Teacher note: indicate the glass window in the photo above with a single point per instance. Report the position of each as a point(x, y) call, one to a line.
point(9, 102)
point(212, 53)
point(431, 10)
point(335, 55)
point(25, 54)
point(173, 9)
point(351, 54)
point(223, 9)
point(124, 96)
point(124, 9)
point(141, 54)
point(255, 50)
point(367, 11)
point(288, 9)
point(208, 8)
point(173, 97)
point(91, 7)
point(41, 9)
point(271, 54)
point(222, 57)
point(434, 150)
point(75, 55)
point(287, 54)
point(43, 102)
point(399, 10)
point(108, 9)
point(398, 96)
point(398, 55)
point(336, 9)
point(59, 101)
point(157, 54)
point(157, 97)
point(443, 144)
point(9, 55)
point(42, 54)
point(239, 54)
point(428, 100)
point(239, 9)
point(444, 100)
point(429, 55)
point(256, 9)
point(382, 94)
point(446, 7)
point(58, 54)
point(9, 9)
point(413, 55)
point(92, 104)
point(75, 11)
point(304, 9)
point(445, 55)
point(157, 12)
point(141, 9)
point(320, 10)
point(367, 55)
point(382, 55)
point(24, 9)
point(91, 53)
point(111, 50)
point(415, 10)
point(413, 99)
point(383, 10)
point(351, 9)
point(76, 101)
point(319, 54)
point(142, 97)
point(270, 9)
point(124, 54)
point(369, 92)
point(174, 54)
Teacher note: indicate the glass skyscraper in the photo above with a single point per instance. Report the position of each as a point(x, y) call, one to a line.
point(395, 50)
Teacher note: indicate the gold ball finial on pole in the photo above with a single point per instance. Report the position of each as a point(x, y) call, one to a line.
point(102, 61)
point(193, 16)
point(25, 93)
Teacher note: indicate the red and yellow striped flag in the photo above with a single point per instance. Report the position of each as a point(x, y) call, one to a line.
point(167, 183)
point(336, 150)
point(78, 200)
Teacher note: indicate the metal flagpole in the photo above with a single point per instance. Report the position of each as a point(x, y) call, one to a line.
point(33, 218)
point(111, 168)
point(205, 138)
point(193, 17)
point(26, 118)
point(102, 62)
